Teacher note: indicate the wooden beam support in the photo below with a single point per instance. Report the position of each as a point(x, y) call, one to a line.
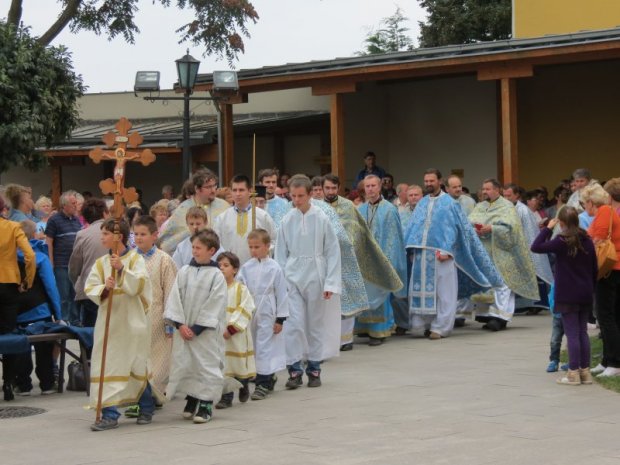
point(505, 70)
point(228, 137)
point(510, 152)
point(333, 86)
point(234, 99)
point(337, 136)
point(56, 184)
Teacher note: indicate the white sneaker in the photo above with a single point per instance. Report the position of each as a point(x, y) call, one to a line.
point(609, 371)
point(597, 369)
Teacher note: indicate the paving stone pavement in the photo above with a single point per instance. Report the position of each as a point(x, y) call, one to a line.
point(474, 398)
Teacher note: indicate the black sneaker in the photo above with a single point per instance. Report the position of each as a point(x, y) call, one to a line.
point(346, 347)
point(223, 403)
point(272, 383)
point(294, 381)
point(314, 379)
point(104, 424)
point(204, 413)
point(244, 393)
point(190, 408)
point(144, 419)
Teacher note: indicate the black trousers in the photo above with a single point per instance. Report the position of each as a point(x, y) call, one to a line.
point(44, 367)
point(8, 322)
point(608, 316)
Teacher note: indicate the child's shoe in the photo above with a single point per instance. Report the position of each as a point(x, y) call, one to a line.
point(571, 378)
point(585, 376)
point(553, 366)
point(272, 384)
point(314, 379)
point(190, 408)
point(260, 393)
point(244, 393)
point(564, 367)
point(144, 419)
point(204, 413)
point(223, 403)
point(294, 381)
point(133, 411)
point(104, 424)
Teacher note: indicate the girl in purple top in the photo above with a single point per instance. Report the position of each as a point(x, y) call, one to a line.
point(575, 278)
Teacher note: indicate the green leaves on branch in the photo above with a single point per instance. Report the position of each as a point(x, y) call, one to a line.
point(38, 95)
point(391, 36)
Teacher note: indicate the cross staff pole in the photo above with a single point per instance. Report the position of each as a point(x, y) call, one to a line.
point(116, 186)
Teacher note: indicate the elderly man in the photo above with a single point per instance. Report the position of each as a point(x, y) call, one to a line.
point(375, 271)
point(401, 197)
point(454, 187)
point(499, 228)
point(87, 249)
point(383, 220)
point(167, 192)
point(276, 206)
point(581, 179)
point(414, 195)
point(175, 230)
point(447, 261)
point(60, 232)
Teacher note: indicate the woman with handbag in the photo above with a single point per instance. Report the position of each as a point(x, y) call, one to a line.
point(605, 231)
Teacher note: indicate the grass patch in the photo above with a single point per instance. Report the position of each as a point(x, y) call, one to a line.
point(596, 352)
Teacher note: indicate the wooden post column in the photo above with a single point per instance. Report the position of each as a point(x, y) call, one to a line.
point(228, 140)
point(510, 163)
point(56, 182)
point(336, 119)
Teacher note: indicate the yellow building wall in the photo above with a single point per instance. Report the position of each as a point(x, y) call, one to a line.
point(536, 18)
point(568, 118)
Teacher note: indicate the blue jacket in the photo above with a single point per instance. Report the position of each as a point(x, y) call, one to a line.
point(44, 290)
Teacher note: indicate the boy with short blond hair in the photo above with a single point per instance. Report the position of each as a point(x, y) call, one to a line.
point(196, 219)
point(265, 280)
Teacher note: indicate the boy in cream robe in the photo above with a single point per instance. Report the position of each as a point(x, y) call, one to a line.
point(126, 377)
point(197, 308)
point(239, 346)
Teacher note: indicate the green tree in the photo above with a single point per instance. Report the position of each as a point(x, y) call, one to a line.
point(465, 21)
point(391, 36)
point(218, 24)
point(38, 93)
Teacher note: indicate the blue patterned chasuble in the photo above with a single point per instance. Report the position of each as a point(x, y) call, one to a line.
point(277, 208)
point(353, 298)
point(384, 222)
point(438, 224)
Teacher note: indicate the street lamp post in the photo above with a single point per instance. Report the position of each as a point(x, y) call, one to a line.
point(187, 69)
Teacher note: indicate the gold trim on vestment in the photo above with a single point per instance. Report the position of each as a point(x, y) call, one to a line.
point(115, 379)
point(242, 223)
point(240, 354)
point(244, 312)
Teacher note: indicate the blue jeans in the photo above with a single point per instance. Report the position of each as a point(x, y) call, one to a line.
point(67, 295)
point(297, 369)
point(557, 333)
point(146, 404)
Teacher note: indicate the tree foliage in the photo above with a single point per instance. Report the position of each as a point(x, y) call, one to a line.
point(38, 95)
point(391, 36)
point(465, 21)
point(218, 25)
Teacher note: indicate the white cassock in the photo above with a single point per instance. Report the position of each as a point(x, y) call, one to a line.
point(183, 253)
point(265, 281)
point(199, 297)
point(233, 227)
point(307, 250)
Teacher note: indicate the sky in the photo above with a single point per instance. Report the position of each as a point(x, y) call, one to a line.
point(288, 31)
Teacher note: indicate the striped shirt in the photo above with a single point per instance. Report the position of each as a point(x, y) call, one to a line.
point(62, 229)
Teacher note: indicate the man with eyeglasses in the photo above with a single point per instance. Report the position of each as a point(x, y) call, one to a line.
point(205, 185)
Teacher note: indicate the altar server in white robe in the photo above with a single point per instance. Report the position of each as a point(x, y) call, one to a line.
point(234, 225)
point(197, 308)
point(307, 250)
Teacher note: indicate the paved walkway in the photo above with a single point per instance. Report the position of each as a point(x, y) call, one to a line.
point(475, 398)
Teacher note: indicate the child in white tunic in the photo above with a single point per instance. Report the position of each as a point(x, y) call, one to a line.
point(197, 308)
point(239, 347)
point(265, 280)
point(307, 250)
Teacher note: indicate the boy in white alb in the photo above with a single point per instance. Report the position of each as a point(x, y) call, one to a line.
point(307, 250)
point(265, 280)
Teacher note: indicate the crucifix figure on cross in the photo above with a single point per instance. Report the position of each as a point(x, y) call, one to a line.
point(121, 155)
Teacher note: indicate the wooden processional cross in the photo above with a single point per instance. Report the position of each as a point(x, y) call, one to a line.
point(123, 148)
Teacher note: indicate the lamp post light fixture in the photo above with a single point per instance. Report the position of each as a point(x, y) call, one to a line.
point(225, 86)
point(187, 69)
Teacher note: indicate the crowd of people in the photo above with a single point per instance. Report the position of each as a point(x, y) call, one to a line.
point(219, 287)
